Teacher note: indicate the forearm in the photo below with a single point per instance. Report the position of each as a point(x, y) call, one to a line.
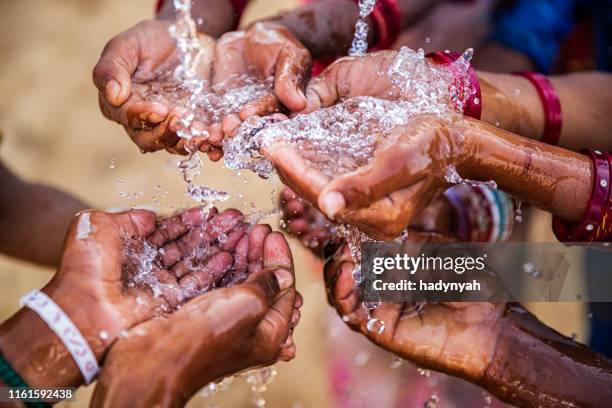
point(34, 219)
point(213, 17)
point(552, 178)
point(327, 27)
point(512, 103)
point(534, 365)
point(135, 390)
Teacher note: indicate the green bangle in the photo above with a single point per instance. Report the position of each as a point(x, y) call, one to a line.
point(11, 378)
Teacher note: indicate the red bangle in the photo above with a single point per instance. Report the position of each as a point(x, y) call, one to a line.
point(387, 20)
point(553, 119)
point(159, 5)
point(595, 225)
point(472, 107)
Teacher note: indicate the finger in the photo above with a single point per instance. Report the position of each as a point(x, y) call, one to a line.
point(298, 226)
point(294, 171)
point(294, 208)
point(173, 227)
point(215, 155)
point(346, 299)
point(112, 74)
point(193, 261)
point(136, 223)
point(241, 261)
point(191, 244)
point(229, 244)
point(257, 236)
point(299, 300)
point(321, 91)
point(288, 351)
point(389, 217)
point(277, 257)
point(205, 279)
point(148, 113)
point(291, 71)
point(288, 195)
point(221, 224)
point(170, 290)
point(316, 239)
point(264, 106)
point(215, 132)
point(383, 175)
point(230, 123)
point(295, 317)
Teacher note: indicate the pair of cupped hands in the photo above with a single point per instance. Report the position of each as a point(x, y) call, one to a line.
point(160, 346)
point(381, 198)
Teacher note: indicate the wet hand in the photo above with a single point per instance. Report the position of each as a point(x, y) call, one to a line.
point(350, 77)
point(408, 171)
point(264, 50)
point(457, 338)
point(166, 360)
point(134, 65)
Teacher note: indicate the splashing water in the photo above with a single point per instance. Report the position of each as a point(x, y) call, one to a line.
point(259, 380)
point(344, 137)
point(191, 56)
point(359, 45)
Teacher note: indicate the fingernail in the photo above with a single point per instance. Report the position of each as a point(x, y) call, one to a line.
point(154, 118)
point(112, 90)
point(284, 278)
point(332, 203)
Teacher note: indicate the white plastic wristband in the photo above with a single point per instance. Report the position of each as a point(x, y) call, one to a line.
point(68, 333)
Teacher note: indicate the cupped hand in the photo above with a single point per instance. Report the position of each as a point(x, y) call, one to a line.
point(351, 77)
point(166, 360)
point(408, 171)
point(103, 252)
point(135, 65)
point(264, 50)
point(458, 338)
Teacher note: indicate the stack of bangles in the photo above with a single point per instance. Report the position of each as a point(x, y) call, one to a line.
point(482, 214)
point(596, 223)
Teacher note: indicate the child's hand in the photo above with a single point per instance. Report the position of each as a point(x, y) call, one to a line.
point(165, 361)
point(351, 77)
point(458, 338)
point(132, 66)
point(408, 171)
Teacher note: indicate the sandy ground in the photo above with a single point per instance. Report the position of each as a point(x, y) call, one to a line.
point(54, 133)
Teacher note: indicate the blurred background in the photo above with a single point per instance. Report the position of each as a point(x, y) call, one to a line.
point(53, 133)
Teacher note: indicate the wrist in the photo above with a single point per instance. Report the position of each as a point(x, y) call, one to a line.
point(36, 353)
point(511, 103)
point(554, 179)
point(568, 373)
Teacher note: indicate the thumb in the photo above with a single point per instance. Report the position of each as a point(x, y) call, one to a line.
point(292, 69)
point(112, 74)
point(136, 223)
point(322, 91)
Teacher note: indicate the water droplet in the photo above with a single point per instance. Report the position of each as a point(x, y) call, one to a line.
point(375, 325)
